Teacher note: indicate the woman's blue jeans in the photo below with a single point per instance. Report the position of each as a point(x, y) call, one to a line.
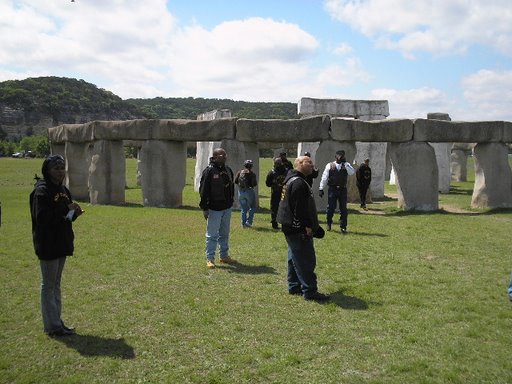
point(51, 300)
point(247, 199)
point(217, 232)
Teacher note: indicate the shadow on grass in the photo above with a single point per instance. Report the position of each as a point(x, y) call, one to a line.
point(98, 346)
point(249, 269)
point(348, 302)
point(460, 191)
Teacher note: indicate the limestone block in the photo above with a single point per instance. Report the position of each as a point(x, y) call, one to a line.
point(493, 177)
point(175, 129)
point(163, 169)
point(394, 130)
point(340, 107)
point(203, 153)
point(440, 131)
point(458, 165)
point(324, 155)
point(77, 133)
point(195, 130)
point(107, 172)
point(314, 128)
point(507, 132)
point(78, 159)
point(417, 177)
point(58, 149)
point(443, 160)
point(129, 129)
point(439, 116)
point(376, 152)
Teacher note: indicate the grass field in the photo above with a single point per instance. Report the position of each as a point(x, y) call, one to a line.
point(417, 298)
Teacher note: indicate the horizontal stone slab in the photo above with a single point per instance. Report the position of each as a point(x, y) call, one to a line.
point(390, 130)
point(340, 107)
point(314, 128)
point(75, 133)
point(439, 131)
point(196, 130)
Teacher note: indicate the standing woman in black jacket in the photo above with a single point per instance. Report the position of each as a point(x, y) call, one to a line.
point(53, 211)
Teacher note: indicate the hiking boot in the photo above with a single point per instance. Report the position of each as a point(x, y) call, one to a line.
point(60, 332)
point(317, 296)
point(210, 264)
point(227, 260)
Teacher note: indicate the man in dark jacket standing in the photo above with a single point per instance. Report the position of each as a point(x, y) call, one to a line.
point(52, 211)
point(364, 178)
point(217, 191)
point(298, 216)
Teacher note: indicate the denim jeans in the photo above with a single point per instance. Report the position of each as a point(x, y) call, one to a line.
point(51, 302)
point(247, 199)
point(337, 195)
point(301, 264)
point(217, 232)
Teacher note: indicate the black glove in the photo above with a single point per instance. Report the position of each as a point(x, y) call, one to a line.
point(321, 193)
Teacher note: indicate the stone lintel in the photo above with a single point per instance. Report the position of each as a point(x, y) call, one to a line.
point(314, 128)
point(340, 107)
point(76, 133)
point(389, 130)
point(439, 131)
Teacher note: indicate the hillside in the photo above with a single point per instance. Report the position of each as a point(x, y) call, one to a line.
point(189, 108)
point(32, 105)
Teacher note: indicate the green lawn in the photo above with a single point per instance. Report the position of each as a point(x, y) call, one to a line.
point(417, 298)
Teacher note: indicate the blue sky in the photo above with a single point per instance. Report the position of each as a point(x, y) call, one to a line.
point(452, 56)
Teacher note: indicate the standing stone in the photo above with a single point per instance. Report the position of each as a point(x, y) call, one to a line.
point(417, 177)
point(107, 172)
point(376, 152)
point(459, 161)
point(163, 169)
point(78, 159)
point(493, 177)
point(443, 155)
point(204, 149)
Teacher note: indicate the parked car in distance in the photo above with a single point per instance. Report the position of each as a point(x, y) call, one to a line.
point(22, 154)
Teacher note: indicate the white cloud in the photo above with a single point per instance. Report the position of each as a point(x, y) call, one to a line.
point(343, 49)
point(246, 59)
point(115, 41)
point(437, 26)
point(414, 103)
point(489, 95)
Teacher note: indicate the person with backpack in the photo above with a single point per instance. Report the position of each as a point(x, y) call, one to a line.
point(299, 223)
point(246, 181)
point(335, 176)
point(275, 180)
point(216, 190)
point(52, 212)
